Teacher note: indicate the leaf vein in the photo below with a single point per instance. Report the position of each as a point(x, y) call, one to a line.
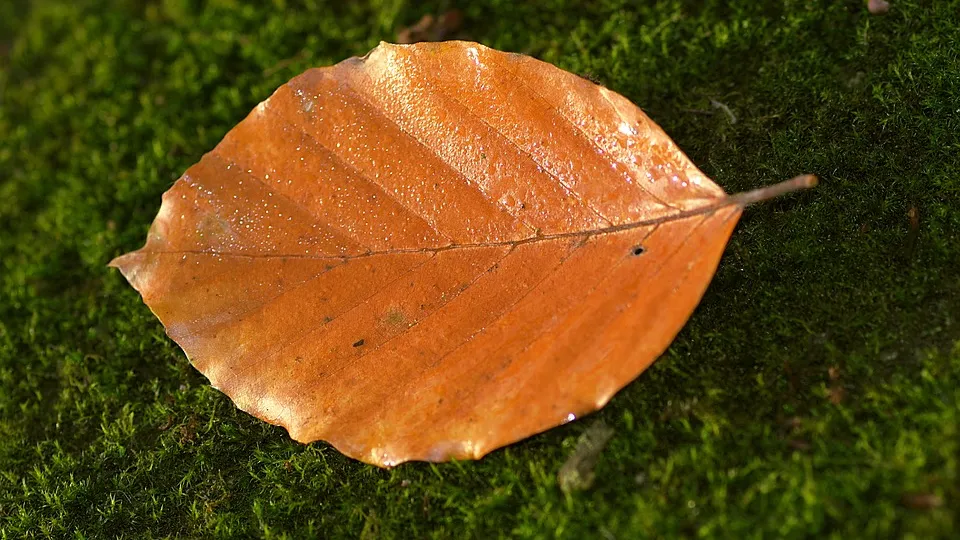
point(525, 152)
point(371, 181)
point(450, 166)
point(580, 131)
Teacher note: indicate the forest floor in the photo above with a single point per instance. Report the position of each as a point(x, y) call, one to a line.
point(814, 392)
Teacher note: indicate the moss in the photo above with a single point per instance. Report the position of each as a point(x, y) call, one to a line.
point(814, 392)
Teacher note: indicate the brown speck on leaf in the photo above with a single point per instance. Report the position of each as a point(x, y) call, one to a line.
point(878, 7)
point(921, 501)
point(394, 317)
point(430, 28)
point(358, 343)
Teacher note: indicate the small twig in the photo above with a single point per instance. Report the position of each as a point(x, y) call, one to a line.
point(723, 107)
point(285, 62)
point(697, 111)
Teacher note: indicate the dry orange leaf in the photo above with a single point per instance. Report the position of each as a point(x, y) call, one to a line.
point(433, 251)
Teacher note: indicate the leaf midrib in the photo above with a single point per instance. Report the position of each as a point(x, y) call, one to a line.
point(725, 202)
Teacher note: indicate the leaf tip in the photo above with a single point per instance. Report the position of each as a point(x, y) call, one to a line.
point(119, 262)
point(130, 266)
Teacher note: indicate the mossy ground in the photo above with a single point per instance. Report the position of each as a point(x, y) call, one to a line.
point(814, 392)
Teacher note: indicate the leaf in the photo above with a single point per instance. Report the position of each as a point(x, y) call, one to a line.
point(433, 251)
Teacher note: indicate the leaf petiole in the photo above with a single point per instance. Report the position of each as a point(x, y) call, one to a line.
point(804, 181)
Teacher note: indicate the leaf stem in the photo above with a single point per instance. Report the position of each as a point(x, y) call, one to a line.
point(796, 183)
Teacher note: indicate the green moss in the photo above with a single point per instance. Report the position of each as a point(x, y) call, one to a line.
point(814, 392)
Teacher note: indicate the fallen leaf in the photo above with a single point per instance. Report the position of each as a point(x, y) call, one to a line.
point(433, 251)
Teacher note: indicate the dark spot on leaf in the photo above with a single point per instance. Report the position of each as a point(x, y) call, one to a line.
point(638, 250)
point(358, 344)
point(395, 317)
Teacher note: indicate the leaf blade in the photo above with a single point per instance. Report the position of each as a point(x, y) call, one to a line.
point(360, 270)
